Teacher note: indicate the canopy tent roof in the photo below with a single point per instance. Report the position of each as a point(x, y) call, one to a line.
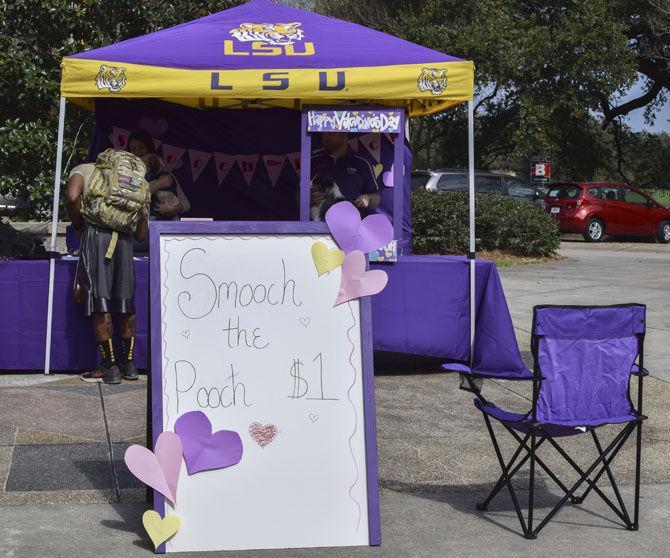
point(264, 54)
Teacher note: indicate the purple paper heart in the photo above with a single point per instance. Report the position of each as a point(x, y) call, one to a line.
point(204, 451)
point(156, 127)
point(350, 233)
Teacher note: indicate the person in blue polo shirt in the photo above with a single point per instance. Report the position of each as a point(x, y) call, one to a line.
point(352, 174)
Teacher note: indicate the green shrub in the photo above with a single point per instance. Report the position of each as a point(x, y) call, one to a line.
point(441, 225)
point(662, 196)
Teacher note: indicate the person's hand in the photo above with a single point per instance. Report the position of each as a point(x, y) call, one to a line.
point(362, 201)
point(316, 197)
point(168, 207)
point(152, 162)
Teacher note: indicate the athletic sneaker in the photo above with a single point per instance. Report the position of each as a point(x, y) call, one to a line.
point(129, 371)
point(110, 375)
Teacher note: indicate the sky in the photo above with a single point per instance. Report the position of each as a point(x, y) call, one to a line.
point(635, 119)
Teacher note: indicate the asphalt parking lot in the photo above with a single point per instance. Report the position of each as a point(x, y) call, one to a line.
point(610, 272)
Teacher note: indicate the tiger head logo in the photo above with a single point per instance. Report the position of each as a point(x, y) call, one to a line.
point(111, 77)
point(433, 80)
point(270, 33)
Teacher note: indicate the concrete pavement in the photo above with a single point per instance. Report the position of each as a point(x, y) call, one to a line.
point(65, 491)
point(414, 525)
point(64, 485)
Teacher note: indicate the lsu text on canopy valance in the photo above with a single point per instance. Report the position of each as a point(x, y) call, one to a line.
point(262, 54)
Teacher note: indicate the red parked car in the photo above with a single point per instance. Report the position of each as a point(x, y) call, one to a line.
point(595, 209)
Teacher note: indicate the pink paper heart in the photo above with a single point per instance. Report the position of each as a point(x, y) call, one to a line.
point(356, 282)
point(388, 177)
point(159, 469)
point(350, 233)
point(156, 127)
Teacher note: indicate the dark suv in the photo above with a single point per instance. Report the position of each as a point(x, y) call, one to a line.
point(455, 180)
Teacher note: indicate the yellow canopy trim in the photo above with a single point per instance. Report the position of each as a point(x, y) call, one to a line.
point(421, 88)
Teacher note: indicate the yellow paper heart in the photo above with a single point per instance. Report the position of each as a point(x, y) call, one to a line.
point(326, 260)
point(160, 529)
point(378, 170)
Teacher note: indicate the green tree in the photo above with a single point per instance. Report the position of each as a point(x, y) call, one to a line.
point(36, 35)
point(544, 70)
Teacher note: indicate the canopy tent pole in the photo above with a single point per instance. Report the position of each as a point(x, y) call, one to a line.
point(305, 167)
point(471, 226)
point(54, 232)
point(398, 181)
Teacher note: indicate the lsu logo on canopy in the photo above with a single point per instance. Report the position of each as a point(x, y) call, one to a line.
point(271, 33)
point(433, 80)
point(111, 78)
point(268, 39)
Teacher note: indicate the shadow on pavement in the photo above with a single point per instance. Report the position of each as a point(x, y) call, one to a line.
point(393, 364)
point(501, 512)
point(130, 522)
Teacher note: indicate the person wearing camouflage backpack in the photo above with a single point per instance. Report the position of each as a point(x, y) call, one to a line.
point(108, 202)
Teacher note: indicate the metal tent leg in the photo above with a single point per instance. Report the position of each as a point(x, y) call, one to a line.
point(471, 252)
point(54, 232)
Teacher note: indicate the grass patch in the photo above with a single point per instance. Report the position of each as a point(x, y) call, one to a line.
point(662, 196)
point(506, 259)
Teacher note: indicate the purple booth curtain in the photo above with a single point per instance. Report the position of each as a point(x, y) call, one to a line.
point(239, 164)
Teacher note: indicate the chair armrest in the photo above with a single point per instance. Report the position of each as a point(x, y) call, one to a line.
point(637, 372)
point(466, 371)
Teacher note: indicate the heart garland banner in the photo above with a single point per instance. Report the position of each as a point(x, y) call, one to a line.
point(172, 156)
point(199, 160)
point(274, 164)
point(223, 164)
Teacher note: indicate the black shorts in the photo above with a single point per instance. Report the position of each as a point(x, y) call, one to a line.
point(108, 284)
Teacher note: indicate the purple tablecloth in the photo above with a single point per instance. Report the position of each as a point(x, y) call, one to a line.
point(24, 288)
point(424, 310)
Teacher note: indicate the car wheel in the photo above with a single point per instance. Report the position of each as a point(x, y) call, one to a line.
point(664, 232)
point(595, 230)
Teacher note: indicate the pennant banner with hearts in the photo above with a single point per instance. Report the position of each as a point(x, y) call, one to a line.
point(372, 143)
point(223, 164)
point(119, 138)
point(274, 164)
point(173, 156)
point(294, 159)
point(247, 164)
point(199, 160)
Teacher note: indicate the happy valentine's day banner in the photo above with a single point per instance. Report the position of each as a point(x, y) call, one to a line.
point(361, 121)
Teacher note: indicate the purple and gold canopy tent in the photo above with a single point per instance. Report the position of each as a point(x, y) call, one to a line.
point(264, 55)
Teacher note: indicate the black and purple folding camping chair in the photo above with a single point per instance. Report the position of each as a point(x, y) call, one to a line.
point(584, 357)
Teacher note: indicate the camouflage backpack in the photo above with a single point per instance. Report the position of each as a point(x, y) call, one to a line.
point(117, 193)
